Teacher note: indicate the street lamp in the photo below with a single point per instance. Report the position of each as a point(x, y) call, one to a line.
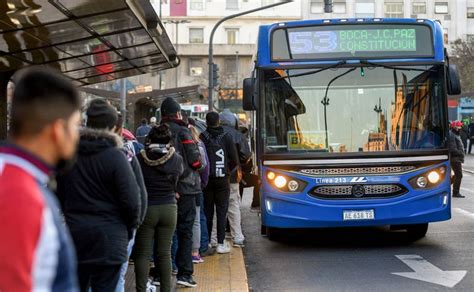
point(378, 110)
point(211, 38)
point(176, 22)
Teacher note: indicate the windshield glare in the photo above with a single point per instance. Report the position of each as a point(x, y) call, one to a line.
point(367, 109)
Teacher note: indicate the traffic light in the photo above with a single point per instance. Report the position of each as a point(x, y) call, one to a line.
point(215, 75)
point(328, 6)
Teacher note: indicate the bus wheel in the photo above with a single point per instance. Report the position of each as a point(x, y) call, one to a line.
point(263, 229)
point(417, 231)
point(272, 233)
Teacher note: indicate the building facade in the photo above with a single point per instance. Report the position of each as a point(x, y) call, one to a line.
point(456, 16)
point(190, 22)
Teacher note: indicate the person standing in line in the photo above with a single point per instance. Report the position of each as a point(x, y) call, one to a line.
point(223, 158)
point(471, 135)
point(36, 249)
point(230, 125)
point(162, 166)
point(100, 201)
point(142, 131)
point(129, 151)
point(152, 122)
point(189, 186)
point(464, 134)
point(456, 151)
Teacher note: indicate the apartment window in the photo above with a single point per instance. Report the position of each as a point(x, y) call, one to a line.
point(196, 5)
point(441, 7)
point(393, 10)
point(317, 6)
point(232, 4)
point(232, 35)
point(196, 36)
point(339, 7)
point(419, 8)
point(470, 12)
point(365, 9)
point(230, 65)
point(195, 67)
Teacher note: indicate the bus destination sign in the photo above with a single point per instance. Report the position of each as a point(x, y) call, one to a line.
point(313, 42)
point(352, 41)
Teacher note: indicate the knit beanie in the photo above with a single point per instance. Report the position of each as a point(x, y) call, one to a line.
point(169, 107)
point(101, 115)
point(228, 118)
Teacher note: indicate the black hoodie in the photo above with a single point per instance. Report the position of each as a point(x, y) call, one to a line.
point(227, 145)
point(99, 198)
point(161, 168)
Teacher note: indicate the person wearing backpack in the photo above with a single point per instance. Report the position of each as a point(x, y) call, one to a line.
point(223, 158)
point(188, 188)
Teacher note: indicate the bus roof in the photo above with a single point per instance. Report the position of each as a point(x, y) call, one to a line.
point(265, 34)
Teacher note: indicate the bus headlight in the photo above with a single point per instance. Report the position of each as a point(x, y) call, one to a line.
point(433, 177)
point(428, 179)
point(284, 183)
point(280, 182)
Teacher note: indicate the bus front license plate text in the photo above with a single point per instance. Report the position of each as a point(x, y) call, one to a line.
point(359, 215)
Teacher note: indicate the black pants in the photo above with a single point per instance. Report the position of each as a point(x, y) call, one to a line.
point(217, 194)
point(98, 277)
point(251, 180)
point(471, 141)
point(457, 168)
point(184, 228)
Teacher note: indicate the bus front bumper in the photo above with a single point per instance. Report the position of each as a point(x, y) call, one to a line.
point(303, 211)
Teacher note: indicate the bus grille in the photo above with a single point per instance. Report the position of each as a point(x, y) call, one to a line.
point(358, 191)
point(357, 170)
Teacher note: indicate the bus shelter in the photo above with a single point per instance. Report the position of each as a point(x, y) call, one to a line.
point(89, 41)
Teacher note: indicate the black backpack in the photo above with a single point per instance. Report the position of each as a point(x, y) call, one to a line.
point(216, 153)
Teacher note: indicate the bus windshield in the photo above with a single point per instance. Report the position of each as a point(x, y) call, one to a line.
point(365, 109)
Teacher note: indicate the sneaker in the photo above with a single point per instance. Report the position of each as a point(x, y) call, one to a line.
point(223, 248)
point(174, 272)
point(458, 196)
point(150, 287)
point(209, 252)
point(155, 281)
point(239, 243)
point(213, 244)
point(186, 281)
point(197, 259)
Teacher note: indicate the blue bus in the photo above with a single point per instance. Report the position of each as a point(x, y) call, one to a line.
point(351, 123)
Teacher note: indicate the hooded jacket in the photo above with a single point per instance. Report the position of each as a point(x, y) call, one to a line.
point(189, 183)
point(229, 123)
point(161, 168)
point(229, 148)
point(456, 148)
point(100, 200)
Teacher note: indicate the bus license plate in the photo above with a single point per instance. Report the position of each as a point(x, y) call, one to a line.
point(359, 215)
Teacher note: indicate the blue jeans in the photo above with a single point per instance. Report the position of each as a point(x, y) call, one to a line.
point(123, 269)
point(204, 232)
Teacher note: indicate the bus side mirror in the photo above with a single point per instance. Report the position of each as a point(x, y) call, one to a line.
point(248, 102)
point(454, 85)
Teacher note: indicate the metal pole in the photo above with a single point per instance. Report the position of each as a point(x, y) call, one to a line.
point(123, 99)
point(237, 74)
point(176, 72)
point(211, 38)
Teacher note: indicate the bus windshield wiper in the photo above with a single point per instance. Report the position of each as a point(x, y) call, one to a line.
point(372, 64)
point(332, 66)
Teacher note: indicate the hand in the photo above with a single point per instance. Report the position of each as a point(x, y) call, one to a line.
point(177, 196)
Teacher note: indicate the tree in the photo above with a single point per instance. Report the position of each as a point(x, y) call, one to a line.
point(462, 53)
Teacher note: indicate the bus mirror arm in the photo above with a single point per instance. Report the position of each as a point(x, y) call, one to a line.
point(249, 98)
point(454, 84)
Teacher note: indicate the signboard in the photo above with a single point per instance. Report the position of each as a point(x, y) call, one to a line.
point(306, 140)
point(353, 41)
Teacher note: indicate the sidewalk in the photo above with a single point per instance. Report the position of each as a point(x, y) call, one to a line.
point(218, 273)
point(468, 165)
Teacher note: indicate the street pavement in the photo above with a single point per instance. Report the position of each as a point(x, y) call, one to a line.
point(366, 259)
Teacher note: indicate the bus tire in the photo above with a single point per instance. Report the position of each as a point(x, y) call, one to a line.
point(417, 231)
point(272, 233)
point(263, 229)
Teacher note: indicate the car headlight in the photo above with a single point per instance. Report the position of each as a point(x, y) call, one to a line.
point(428, 179)
point(284, 183)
